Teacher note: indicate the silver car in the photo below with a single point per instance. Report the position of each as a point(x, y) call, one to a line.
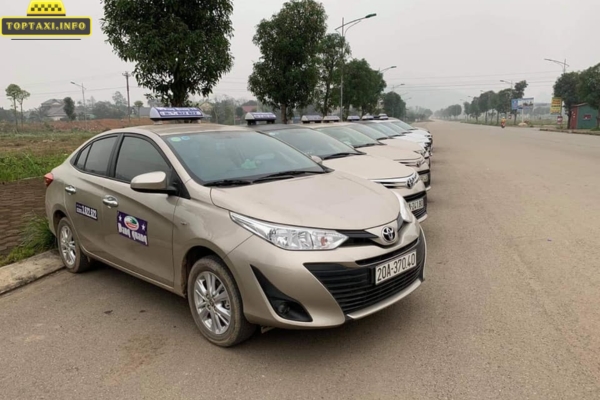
point(251, 231)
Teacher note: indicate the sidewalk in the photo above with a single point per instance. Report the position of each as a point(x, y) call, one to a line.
point(14, 276)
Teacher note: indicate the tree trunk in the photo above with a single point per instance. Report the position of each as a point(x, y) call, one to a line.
point(16, 115)
point(568, 117)
point(22, 116)
point(284, 113)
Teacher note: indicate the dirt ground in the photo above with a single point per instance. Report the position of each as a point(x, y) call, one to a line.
point(17, 200)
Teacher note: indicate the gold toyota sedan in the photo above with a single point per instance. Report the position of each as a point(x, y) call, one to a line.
point(251, 231)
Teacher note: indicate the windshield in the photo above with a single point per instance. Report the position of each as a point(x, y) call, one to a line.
point(216, 156)
point(349, 136)
point(387, 130)
point(313, 143)
point(403, 125)
point(372, 133)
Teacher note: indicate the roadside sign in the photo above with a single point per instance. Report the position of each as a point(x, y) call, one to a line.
point(556, 106)
point(559, 120)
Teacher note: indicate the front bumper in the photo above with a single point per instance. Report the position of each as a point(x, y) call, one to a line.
point(302, 277)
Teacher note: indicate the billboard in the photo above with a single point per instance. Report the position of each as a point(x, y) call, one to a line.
point(556, 106)
point(520, 104)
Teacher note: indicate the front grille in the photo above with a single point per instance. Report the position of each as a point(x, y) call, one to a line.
point(354, 288)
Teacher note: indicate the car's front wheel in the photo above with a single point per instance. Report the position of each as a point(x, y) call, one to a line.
point(216, 303)
point(70, 252)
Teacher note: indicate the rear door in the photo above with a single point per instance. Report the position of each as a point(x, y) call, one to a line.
point(138, 229)
point(84, 191)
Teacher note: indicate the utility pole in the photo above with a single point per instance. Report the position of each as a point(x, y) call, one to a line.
point(83, 96)
point(127, 75)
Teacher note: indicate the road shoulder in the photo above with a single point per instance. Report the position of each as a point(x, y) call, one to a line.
point(14, 276)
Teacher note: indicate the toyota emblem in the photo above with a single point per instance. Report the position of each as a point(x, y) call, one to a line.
point(389, 234)
point(410, 182)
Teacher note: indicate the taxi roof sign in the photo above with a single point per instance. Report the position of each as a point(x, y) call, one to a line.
point(331, 118)
point(252, 118)
point(382, 116)
point(353, 118)
point(54, 8)
point(307, 119)
point(175, 113)
point(367, 117)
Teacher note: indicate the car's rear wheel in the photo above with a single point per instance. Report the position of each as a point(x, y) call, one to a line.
point(216, 303)
point(70, 252)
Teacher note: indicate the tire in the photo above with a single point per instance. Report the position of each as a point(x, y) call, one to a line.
point(68, 248)
point(212, 318)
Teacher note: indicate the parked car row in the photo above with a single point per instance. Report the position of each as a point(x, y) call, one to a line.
point(265, 226)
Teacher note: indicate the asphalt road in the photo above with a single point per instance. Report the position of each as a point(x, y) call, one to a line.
point(510, 308)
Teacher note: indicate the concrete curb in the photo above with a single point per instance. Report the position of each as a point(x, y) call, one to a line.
point(574, 132)
point(14, 276)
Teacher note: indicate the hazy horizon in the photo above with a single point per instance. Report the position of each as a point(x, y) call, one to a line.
point(444, 51)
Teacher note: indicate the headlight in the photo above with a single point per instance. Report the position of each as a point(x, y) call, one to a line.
point(421, 152)
point(404, 210)
point(291, 237)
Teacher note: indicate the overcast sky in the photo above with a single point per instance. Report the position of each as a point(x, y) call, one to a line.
point(444, 50)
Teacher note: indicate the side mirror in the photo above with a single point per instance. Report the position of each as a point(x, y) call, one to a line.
point(317, 159)
point(152, 182)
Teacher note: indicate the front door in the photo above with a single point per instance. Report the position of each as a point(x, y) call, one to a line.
point(138, 227)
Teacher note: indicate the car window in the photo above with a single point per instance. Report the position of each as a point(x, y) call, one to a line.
point(82, 158)
point(403, 125)
point(348, 136)
point(214, 156)
point(99, 156)
point(370, 132)
point(388, 130)
point(312, 142)
point(138, 156)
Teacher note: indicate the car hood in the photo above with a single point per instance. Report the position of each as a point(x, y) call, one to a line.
point(415, 137)
point(404, 144)
point(369, 167)
point(334, 200)
point(392, 152)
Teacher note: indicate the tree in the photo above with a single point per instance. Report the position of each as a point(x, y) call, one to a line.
point(138, 104)
point(180, 48)
point(518, 93)
point(362, 86)
point(467, 108)
point(21, 97)
point(106, 110)
point(502, 103)
point(566, 88)
point(474, 108)
point(69, 107)
point(330, 58)
point(287, 73)
point(393, 105)
point(588, 88)
point(12, 93)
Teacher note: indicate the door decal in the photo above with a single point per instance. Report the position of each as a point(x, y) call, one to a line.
point(133, 228)
point(86, 211)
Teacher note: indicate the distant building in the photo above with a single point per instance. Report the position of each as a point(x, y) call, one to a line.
point(53, 109)
point(583, 116)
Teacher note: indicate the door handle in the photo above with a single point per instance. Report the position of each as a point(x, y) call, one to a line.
point(110, 201)
point(70, 189)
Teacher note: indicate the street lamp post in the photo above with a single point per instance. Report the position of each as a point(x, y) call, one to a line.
point(83, 96)
point(344, 30)
point(386, 69)
point(562, 63)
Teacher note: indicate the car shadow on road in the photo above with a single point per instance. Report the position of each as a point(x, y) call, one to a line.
point(278, 345)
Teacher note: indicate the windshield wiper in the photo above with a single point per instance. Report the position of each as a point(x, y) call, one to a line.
point(287, 175)
point(229, 182)
point(338, 155)
point(366, 145)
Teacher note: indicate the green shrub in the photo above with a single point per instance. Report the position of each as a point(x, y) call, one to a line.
point(36, 237)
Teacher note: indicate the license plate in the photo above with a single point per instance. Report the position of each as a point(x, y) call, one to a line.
point(424, 178)
point(395, 267)
point(416, 205)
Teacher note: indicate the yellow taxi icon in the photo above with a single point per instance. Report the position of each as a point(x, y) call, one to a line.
point(46, 8)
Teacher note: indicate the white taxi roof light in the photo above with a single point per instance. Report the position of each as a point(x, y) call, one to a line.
point(382, 117)
point(307, 119)
point(353, 118)
point(367, 117)
point(252, 118)
point(331, 118)
point(158, 114)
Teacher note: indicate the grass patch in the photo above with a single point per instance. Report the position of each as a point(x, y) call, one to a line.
point(36, 238)
point(29, 155)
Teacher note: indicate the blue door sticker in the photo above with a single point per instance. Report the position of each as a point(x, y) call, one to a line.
point(86, 211)
point(133, 228)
